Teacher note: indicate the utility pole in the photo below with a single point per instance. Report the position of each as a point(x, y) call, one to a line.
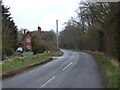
point(57, 34)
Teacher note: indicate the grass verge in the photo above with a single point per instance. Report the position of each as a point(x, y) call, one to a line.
point(109, 67)
point(17, 62)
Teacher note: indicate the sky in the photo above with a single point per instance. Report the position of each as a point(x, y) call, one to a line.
point(28, 14)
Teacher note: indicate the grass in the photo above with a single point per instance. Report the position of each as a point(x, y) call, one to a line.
point(109, 67)
point(16, 62)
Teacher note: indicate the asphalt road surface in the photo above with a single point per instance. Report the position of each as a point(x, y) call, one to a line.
point(71, 70)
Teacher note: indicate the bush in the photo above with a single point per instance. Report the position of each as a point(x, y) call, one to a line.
point(9, 51)
point(27, 50)
point(18, 54)
point(38, 48)
point(3, 54)
point(37, 45)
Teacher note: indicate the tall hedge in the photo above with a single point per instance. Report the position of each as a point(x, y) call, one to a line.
point(37, 45)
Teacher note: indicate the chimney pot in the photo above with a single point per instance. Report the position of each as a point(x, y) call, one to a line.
point(39, 29)
point(24, 31)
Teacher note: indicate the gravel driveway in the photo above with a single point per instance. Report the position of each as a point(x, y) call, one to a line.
point(27, 53)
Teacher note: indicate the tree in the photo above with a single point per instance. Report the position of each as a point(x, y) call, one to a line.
point(9, 31)
point(50, 41)
point(95, 28)
point(37, 45)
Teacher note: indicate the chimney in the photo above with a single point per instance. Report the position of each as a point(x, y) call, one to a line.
point(39, 29)
point(24, 31)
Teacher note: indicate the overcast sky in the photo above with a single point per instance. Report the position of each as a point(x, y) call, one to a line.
point(31, 13)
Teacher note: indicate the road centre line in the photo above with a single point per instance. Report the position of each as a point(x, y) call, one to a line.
point(48, 81)
point(67, 66)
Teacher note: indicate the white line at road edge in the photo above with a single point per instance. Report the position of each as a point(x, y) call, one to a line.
point(48, 81)
point(67, 66)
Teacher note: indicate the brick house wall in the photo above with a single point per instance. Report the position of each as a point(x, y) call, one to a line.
point(27, 41)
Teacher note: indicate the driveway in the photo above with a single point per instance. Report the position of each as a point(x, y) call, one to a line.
point(27, 53)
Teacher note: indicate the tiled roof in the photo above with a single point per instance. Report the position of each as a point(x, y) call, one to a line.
point(26, 34)
point(41, 35)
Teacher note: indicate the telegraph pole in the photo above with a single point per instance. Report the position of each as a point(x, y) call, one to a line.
point(57, 34)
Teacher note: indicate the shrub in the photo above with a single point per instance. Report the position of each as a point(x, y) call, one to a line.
point(9, 51)
point(3, 54)
point(27, 50)
point(37, 45)
point(38, 48)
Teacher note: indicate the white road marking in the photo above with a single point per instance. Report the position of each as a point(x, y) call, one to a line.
point(67, 66)
point(48, 81)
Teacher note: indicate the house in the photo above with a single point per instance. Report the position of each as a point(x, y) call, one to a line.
point(26, 41)
point(39, 33)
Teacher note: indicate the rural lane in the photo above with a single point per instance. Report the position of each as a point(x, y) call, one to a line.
point(71, 70)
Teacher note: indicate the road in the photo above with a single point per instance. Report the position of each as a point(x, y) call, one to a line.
point(71, 70)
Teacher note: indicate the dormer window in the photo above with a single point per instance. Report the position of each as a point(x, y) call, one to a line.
point(28, 40)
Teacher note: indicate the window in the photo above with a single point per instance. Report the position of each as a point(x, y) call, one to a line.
point(28, 46)
point(28, 40)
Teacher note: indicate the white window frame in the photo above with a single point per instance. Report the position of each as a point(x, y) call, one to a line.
point(28, 46)
point(28, 40)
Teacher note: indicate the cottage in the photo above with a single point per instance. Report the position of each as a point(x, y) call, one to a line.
point(28, 36)
point(27, 41)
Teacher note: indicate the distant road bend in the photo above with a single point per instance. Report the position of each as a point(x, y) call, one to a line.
point(71, 70)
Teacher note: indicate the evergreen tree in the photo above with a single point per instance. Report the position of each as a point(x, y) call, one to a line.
point(9, 32)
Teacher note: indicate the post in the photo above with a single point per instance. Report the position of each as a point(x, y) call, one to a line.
point(1, 41)
point(57, 34)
